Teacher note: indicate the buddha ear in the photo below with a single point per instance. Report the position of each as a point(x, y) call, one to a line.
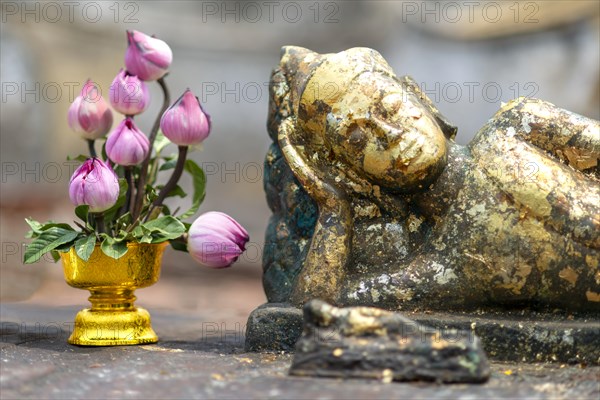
point(411, 85)
point(298, 64)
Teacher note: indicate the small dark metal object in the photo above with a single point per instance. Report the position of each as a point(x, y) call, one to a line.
point(507, 336)
point(365, 342)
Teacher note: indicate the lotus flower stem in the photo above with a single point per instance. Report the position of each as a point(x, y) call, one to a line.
point(141, 187)
point(173, 179)
point(91, 147)
point(129, 198)
point(131, 186)
point(99, 218)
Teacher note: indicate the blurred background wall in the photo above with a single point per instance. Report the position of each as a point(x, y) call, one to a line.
point(468, 56)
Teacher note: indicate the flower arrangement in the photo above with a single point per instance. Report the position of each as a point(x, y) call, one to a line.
point(117, 197)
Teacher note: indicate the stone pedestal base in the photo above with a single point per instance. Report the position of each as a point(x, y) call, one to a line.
point(507, 336)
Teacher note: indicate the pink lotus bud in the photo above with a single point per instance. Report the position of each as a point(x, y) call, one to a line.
point(94, 184)
point(216, 240)
point(147, 57)
point(128, 94)
point(185, 123)
point(127, 145)
point(89, 114)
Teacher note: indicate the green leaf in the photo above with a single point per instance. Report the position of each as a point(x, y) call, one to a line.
point(166, 224)
point(82, 212)
point(147, 239)
point(124, 220)
point(84, 246)
point(34, 225)
point(55, 255)
point(122, 235)
point(48, 240)
point(36, 228)
point(138, 231)
point(164, 228)
point(177, 191)
point(81, 158)
point(160, 142)
point(51, 224)
point(179, 246)
point(112, 248)
point(168, 165)
point(151, 194)
point(142, 235)
point(199, 183)
point(65, 247)
point(103, 151)
point(119, 170)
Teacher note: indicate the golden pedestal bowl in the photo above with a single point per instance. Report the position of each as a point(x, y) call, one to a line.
point(113, 319)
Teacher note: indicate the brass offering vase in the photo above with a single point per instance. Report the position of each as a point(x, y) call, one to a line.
point(113, 319)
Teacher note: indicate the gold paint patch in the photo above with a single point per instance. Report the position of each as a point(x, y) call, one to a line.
point(569, 275)
point(592, 296)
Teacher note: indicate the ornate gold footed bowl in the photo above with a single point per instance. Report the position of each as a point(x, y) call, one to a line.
point(113, 319)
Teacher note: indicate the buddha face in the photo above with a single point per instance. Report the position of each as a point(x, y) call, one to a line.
point(385, 134)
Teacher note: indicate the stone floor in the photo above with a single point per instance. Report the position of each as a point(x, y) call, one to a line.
point(201, 355)
point(200, 316)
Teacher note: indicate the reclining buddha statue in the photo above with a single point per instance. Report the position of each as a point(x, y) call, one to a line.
point(374, 203)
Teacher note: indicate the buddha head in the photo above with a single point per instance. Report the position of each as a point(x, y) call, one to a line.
point(352, 103)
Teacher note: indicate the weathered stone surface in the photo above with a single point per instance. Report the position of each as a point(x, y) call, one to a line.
point(38, 363)
point(273, 327)
point(366, 342)
point(526, 336)
point(507, 336)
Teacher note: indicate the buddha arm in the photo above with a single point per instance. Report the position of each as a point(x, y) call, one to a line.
point(325, 265)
